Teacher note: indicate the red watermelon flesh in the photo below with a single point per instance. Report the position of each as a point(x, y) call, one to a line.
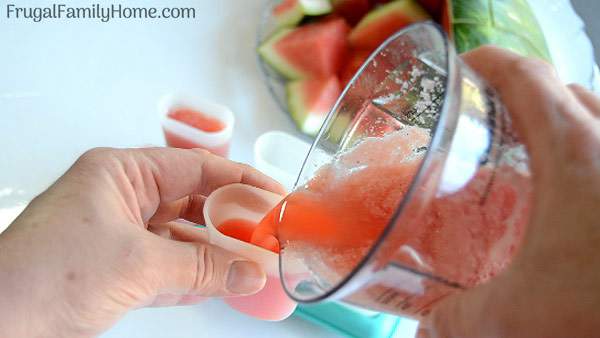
point(384, 21)
point(434, 7)
point(374, 3)
point(313, 50)
point(351, 10)
point(310, 100)
point(353, 63)
point(446, 20)
point(331, 17)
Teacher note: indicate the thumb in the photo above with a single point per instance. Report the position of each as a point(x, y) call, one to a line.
point(197, 268)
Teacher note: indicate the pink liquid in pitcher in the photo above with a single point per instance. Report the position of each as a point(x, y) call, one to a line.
point(464, 237)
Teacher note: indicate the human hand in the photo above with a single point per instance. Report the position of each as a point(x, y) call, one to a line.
point(552, 288)
point(86, 251)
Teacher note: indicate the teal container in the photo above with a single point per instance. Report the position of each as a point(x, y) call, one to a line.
point(350, 321)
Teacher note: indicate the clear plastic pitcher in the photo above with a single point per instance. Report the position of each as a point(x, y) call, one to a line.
point(414, 188)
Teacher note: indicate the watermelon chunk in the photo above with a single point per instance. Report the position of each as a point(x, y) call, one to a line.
point(290, 12)
point(433, 7)
point(353, 63)
point(507, 24)
point(351, 10)
point(312, 50)
point(375, 3)
point(310, 100)
point(384, 21)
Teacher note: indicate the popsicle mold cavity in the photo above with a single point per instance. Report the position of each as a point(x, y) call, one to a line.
point(181, 135)
point(250, 204)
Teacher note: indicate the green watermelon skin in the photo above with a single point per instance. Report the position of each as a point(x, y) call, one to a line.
point(510, 24)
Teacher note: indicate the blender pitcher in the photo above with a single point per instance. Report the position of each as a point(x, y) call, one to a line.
point(414, 188)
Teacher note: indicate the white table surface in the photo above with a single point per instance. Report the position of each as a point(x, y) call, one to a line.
point(70, 85)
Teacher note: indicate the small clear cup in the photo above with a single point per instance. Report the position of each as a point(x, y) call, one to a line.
point(462, 216)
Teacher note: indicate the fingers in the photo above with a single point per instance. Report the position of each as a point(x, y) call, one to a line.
point(540, 106)
point(219, 172)
point(188, 208)
point(170, 174)
point(462, 315)
point(176, 300)
point(200, 269)
point(181, 172)
point(179, 232)
point(587, 98)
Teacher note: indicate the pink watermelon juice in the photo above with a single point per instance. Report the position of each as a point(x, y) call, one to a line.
point(270, 303)
point(344, 208)
point(243, 230)
point(199, 121)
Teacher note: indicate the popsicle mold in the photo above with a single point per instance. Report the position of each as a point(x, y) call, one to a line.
point(240, 201)
point(181, 135)
point(280, 155)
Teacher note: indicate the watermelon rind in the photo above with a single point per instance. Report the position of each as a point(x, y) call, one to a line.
point(510, 24)
point(294, 15)
point(410, 7)
point(307, 122)
point(274, 59)
point(290, 18)
point(316, 7)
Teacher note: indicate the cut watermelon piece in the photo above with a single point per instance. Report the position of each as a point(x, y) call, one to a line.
point(310, 100)
point(507, 24)
point(313, 50)
point(353, 63)
point(445, 21)
point(351, 10)
point(375, 3)
point(433, 7)
point(290, 12)
point(384, 21)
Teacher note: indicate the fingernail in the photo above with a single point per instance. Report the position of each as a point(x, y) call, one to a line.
point(245, 278)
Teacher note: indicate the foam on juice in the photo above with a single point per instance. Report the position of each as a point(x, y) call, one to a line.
point(465, 237)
